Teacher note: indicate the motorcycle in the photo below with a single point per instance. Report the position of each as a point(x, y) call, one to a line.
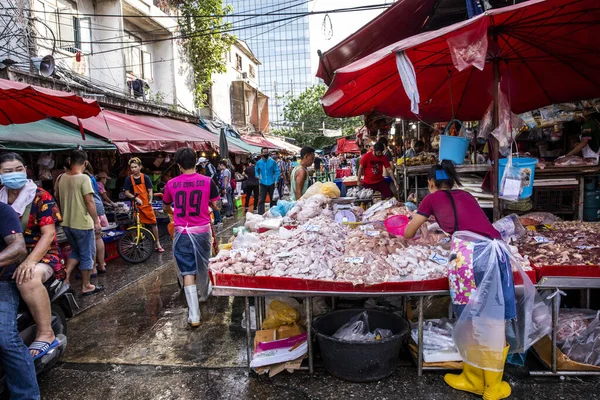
point(62, 305)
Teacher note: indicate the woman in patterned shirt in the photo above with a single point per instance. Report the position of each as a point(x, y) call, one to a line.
point(39, 213)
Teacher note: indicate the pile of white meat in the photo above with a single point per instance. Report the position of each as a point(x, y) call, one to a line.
point(324, 250)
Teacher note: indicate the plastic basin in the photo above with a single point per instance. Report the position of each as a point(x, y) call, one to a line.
point(355, 361)
point(396, 224)
point(453, 148)
point(526, 167)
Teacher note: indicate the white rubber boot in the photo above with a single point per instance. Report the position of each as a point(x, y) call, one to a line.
point(191, 295)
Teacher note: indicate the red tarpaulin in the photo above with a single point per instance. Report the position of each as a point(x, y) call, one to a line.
point(260, 142)
point(143, 134)
point(403, 19)
point(21, 103)
point(546, 52)
point(346, 146)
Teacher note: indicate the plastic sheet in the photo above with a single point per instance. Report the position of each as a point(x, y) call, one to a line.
point(282, 208)
point(510, 227)
point(481, 332)
point(357, 330)
point(198, 240)
point(584, 345)
point(509, 126)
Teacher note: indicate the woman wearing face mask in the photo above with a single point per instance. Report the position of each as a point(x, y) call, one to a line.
point(140, 184)
point(39, 213)
point(478, 255)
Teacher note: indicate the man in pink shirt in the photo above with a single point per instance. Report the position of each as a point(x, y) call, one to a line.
point(187, 198)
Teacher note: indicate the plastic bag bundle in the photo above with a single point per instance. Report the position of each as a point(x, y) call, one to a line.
point(330, 190)
point(279, 313)
point(481, 332)
point(194, 243)
point(510, 227)
point(315, 188)
point(357, 330)
point(282, 208)
point(584, 346)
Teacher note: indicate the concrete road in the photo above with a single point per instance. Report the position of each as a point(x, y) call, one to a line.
point(133, 342)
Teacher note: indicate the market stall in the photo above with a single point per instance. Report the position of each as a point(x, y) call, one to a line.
point(309, 249)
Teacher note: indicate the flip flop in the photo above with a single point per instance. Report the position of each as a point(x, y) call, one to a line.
point(97, 289)
point(42, 347)
point(161, 250)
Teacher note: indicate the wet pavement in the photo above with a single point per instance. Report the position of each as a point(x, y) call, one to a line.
point(133, 342)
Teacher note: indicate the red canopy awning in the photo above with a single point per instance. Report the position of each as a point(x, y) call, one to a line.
point(144, 134)
point(259, 141)
point(21, 103)
point(545, 50)
point(344, 145)
point(403, 19)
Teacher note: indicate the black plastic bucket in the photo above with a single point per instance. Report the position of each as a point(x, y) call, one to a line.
point(355, 361)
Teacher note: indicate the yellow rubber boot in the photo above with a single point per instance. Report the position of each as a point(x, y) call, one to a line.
point(495, 387)
point(470, 380)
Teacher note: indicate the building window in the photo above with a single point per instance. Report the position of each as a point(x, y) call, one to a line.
point(238, 62)
point(147, 65)
point(133, 54)
point(252, 71)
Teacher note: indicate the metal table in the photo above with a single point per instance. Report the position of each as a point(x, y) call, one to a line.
point(556, 283)
point(259, 295)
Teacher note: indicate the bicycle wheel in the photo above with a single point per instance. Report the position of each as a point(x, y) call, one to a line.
point(133, 252)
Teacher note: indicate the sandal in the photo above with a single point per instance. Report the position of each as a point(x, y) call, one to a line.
point(42, 347)
point(160, 250)
point(101, 271)
point(97, 289)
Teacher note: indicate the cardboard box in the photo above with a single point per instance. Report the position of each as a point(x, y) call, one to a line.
point(563, 363)
point(286, 331)
point(283, 332)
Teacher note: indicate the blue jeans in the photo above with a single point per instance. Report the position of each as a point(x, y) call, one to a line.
point(83, 246)
point(217, 215)
point(14, 355)
point(192, 251)
point(229, 208)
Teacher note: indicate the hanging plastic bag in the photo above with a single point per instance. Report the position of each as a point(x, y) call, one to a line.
point(470, 48)
point(511, 185)
point(330, 190)
point(481, 332)
point(509, 124)
point(279, 313)
point(194, 244)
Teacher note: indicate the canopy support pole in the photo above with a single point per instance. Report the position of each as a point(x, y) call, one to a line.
point(405, 178)
point(494, 144)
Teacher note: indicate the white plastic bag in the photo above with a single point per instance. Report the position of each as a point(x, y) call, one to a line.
point(481, 332)
point(511, 185)
point(357, 330)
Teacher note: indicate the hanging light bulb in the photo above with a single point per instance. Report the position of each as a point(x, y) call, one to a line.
point(413, 126)
point(214, 154)
point(203, 154)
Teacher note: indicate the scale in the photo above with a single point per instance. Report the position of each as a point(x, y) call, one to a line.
point(342, 209)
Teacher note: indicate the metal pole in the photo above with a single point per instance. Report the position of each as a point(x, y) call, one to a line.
point(405, 178)
point(308, 305)
point(494, 143)
point(257, 312)
point(420, 335)
point(555, 305)
point(333, 301)
point(248, 333)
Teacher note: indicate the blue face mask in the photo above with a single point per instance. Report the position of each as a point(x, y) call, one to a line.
point(14, 180)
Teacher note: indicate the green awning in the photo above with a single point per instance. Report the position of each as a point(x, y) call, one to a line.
point(47, 135)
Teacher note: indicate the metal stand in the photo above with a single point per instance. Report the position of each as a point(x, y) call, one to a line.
point(308, 295)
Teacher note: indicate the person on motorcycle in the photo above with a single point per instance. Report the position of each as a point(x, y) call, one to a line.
point(187, 198)
point(39, 213)
point(15, 359)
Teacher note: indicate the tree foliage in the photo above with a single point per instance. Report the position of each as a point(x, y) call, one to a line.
point(203, 44)
point(304, 117)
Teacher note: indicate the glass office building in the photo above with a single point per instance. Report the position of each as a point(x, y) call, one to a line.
point(280, 42)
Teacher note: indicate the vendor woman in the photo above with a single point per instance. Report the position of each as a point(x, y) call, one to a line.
point(140, 184)
point(458, 211)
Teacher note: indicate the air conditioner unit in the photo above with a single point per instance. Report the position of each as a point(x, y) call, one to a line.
point(244, 75)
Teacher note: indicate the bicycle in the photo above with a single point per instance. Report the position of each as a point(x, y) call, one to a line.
point(136, 245)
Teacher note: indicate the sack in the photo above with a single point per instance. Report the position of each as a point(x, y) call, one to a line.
point(279, 314)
